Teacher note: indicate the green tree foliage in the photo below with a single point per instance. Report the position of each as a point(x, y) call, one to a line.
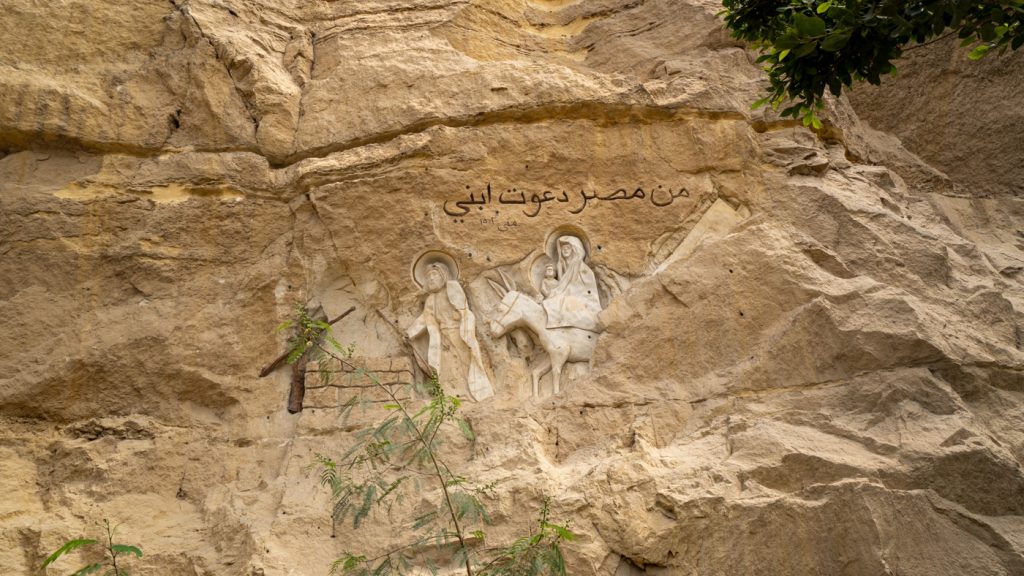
point(401, 455)
point(111, 552)
point(811, 45)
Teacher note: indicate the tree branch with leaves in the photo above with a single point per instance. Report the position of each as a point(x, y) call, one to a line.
point(401, 454)
point(813, 45)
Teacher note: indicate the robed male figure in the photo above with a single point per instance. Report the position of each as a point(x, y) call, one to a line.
point(450, 327)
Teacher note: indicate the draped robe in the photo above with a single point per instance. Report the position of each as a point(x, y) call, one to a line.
point(452, 348)
point(574, 302)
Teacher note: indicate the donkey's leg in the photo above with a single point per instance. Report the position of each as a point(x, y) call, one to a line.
point(543, 368)
point(558, 359)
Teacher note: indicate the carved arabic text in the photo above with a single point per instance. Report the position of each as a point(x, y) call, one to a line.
point(575, 203)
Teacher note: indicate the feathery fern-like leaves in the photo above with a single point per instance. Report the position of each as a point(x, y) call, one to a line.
point(68, 547)
point(406, 444)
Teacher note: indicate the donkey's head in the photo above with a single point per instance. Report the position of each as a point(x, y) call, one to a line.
point(506, 314)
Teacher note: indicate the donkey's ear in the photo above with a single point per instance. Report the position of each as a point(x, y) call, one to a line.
point(501, 290)
point(509, 282)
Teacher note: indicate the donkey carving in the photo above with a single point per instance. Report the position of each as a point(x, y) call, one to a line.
point(567, 344)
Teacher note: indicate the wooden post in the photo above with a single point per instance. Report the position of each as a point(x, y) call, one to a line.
point(298, 389)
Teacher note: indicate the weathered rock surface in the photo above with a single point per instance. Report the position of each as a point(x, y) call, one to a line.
point(960, 116)
point(811, 363)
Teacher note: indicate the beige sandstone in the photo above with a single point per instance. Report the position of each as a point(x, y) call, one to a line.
point(962, 117)
point(810, 363)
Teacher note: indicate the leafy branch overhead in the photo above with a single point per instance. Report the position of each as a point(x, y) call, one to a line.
point(811, 45)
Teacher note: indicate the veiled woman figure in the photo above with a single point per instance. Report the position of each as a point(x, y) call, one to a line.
point(574, 302)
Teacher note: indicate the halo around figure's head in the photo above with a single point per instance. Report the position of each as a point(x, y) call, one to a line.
point(432, 258)
point(551, 243)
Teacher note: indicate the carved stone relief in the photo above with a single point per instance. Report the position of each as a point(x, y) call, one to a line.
point(540, 310)
point(558, 308)
point(564, 319)
point(446, 327)
point(574, 300)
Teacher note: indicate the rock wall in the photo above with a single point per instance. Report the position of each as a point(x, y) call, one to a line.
point(807, 357)
point(960, 116)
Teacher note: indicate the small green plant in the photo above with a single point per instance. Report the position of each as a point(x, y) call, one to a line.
point(111, 553)
point(402, 454)
point(309, 336)
point(539, 552)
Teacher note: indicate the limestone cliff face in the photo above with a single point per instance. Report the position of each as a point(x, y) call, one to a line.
point(962, 117)
point(810, 362)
